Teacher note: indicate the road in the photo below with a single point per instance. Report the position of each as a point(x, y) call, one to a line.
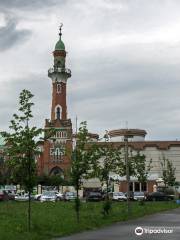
point(168, 222)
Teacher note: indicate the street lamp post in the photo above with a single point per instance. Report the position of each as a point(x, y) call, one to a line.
point(106, 138)
point(127, 173)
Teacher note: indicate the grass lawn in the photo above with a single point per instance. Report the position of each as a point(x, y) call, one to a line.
point(57, 219)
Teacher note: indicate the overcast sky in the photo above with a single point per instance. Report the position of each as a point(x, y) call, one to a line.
point(124, 56)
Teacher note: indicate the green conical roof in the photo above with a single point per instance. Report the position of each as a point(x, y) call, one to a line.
point(60, 45)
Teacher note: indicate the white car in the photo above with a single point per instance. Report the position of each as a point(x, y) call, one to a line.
point(69, 196)
point(37, 197)
point(23, 197)
point(118, 196)
point(48, 196)
point(138, 196)
point(59, 195)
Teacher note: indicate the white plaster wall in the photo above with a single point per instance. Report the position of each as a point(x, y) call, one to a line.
point(173, 154)
point(121, 139)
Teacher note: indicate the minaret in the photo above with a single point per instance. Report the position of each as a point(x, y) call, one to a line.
point(54, 159)
point(59, 75)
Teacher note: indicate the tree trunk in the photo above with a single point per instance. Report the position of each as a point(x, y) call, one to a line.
point(107, 188)
point(29, 189)
point(29, 211)
point(77, 204)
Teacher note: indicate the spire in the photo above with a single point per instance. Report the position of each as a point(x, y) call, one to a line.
point(60, 45)
point(60, 29)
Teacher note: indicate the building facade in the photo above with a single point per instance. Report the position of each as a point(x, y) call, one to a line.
point(154, 151)
point(53, 159)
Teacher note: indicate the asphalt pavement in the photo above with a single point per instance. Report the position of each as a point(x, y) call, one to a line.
point(161, 226)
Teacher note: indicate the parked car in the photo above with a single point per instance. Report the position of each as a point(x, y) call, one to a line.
point(117, 196)
point(11, 195)
point(159, 196)
point(131, 195)
point(37, 197)
point(48, 196)
point(3, 195)
point(94, 196)
point(138, 196)
point(59, 195)
point(23, 197)
point(69, 196)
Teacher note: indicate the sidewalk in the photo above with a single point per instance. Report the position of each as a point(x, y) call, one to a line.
point(166, 223)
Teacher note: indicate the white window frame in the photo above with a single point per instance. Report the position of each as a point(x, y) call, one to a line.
point(51, 151)
point(55, 110)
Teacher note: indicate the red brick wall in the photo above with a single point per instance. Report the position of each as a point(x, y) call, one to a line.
point(46, 163)
point(59, 99)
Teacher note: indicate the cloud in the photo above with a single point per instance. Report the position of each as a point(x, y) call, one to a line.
point(124, 57)
point(23, 4)
point(10, 36)
point(10, 96)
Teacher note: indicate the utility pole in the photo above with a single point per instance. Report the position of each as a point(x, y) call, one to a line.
point(29, 178)
point(77, 203)
point(127, 173)
point(106, 138)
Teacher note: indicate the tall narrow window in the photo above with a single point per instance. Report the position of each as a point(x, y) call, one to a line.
point(59, 88)
point(57, 153)
point(58, 113)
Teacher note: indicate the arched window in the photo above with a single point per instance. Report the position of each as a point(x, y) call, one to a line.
point(59, 88)
point(58, 113)
point(57, 171)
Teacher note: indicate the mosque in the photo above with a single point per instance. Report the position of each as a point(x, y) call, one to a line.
point(53, 159)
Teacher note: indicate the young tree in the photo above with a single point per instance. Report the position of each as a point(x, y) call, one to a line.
point(5, 176)
point(168, 172)
point(22, 147)
point(108, 160)
point(54, 180)
point(140, 166)
point(81, 157)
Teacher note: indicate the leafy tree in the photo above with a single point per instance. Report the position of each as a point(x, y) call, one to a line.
point(168, 172)
point(2, 170)
point(22, 147)
point(54, 180)
point(108, 160)
point(141, 169)
point(137, 166)
point(5, 176)
point(81, 159)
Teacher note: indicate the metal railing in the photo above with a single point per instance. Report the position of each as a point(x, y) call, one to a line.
point(59, 70)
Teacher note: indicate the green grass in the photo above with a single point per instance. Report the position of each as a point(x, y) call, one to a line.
point(58, 219)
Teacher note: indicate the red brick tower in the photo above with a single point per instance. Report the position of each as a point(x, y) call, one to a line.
point(54, 158)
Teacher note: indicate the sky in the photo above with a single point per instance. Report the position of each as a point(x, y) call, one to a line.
point(124, 56)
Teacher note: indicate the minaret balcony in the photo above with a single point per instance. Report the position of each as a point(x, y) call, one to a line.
point(59, 70)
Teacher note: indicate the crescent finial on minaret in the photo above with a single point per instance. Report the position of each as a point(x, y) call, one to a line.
point(60, 29)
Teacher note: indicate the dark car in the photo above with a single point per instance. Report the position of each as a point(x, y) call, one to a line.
point(3, 195)
point(11, 195)
point(131, 195)
point(159, 196)
point(94, 196)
